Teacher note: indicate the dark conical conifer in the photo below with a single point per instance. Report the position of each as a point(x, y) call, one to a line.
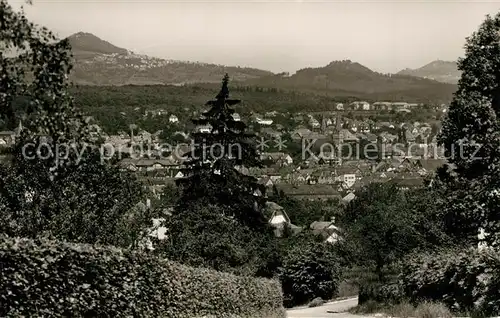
point(213, 169)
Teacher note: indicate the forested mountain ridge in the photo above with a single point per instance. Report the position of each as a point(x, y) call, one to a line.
point(442, 71)
point(347, 78)
point(98, 62)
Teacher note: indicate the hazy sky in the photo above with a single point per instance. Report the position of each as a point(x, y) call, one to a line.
point(385, 36)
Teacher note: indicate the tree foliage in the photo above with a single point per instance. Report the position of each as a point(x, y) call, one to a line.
point(54, 182)
point(383, 223)
point(470, 135)
point(218, 220)
point(205, 236)
point(212, 167)
point(309, 271)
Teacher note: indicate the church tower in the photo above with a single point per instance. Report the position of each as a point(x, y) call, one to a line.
point(339, 140)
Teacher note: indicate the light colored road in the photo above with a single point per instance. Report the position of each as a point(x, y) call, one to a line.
point(336, 309)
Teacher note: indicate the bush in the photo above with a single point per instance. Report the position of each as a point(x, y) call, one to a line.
point(452, 277)
point(57, 279)
point(491, 301)
point(203, 236)
point(465, 281)
point(432, 310)
point(307, 274)
point(316, 302)
point(380, 293)
point(404, 310)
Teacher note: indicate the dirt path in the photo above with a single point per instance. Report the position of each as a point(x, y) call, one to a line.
point(337, 309)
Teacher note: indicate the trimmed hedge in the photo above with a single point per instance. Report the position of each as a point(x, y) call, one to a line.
point(58, 279)
point(465, 280)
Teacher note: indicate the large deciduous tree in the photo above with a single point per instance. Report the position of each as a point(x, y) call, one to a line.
point(470, 136)
point(384, 223)
point(54, 182)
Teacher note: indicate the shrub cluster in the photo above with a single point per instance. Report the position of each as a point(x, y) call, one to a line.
point(307, 274)
point(57, 279)
point(465, 281)
point(380, 293)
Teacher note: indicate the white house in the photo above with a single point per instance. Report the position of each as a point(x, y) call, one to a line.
point(264, 122)
point(327, 230)
point(279, 220)
point(204, 128)
point(360, 105)
point(348, 179)
point(314, 123)
point(173, 119)
point(400, 105)
point(179, 175)
point(365, 105)
point(266, 181)
point(288, 159)
point(349, 197)
point(236, 117)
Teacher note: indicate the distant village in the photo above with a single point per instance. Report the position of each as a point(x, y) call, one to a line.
point(405, 153)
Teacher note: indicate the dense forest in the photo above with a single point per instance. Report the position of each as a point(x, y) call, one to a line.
point(116, 107)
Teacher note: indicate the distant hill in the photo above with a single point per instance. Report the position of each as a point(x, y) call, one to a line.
point(82, 43)
point(351, 79)
point(98, 62)
point(442, 71)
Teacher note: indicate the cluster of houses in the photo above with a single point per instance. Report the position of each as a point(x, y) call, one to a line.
point(362, 105)
point(318, 180)
point(280, 221)
point(383, 106)
point(409, 155)
point(130, 60)
point(406, 152)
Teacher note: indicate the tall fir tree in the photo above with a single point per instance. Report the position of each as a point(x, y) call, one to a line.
point(471, 138)
point(213, 168)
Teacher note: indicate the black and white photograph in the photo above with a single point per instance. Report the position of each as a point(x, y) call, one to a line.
point(250, 158)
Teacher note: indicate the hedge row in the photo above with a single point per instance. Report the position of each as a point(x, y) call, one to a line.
point(49, 278)
point(466, 280)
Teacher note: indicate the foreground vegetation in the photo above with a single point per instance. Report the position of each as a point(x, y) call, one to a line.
point(409, 245)
point(458, 275)
point(109, 282)
point(404, 310)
